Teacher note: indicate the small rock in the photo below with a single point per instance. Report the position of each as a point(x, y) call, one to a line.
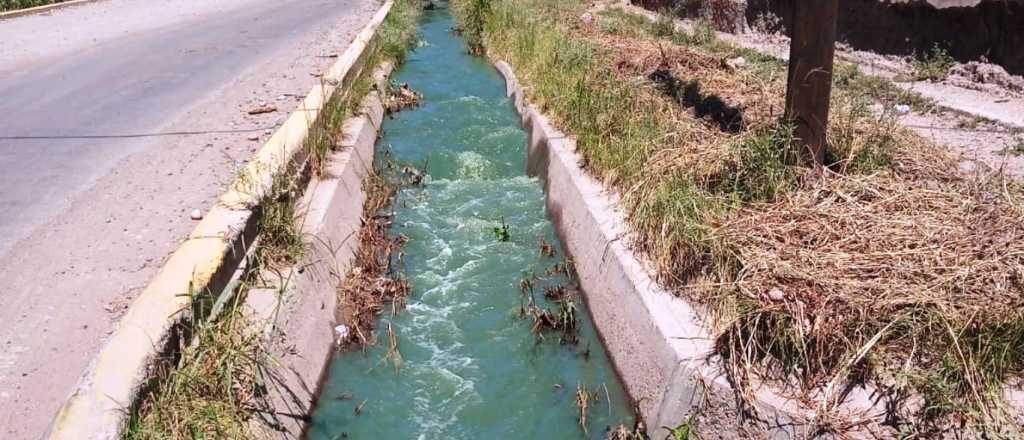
point(736, 63)
point(196, 214)
point(902, 109)
point(267, 132)
point(253, 137)
point(262, 109)
point(776, 294)
point(587, 18)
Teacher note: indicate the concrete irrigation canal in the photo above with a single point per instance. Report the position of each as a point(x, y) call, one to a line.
point(469, 362)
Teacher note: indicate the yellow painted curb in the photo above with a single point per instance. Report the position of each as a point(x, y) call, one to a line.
point(101, 402)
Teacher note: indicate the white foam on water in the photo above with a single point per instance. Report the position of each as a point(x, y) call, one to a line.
point(473, 165)
point(470, 99)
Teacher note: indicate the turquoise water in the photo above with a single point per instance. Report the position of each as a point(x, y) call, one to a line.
point(471, 367)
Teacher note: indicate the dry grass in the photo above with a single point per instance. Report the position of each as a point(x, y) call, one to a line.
point(890, 267)
point(372, 282)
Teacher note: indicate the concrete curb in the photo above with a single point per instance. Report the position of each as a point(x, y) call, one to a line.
point(203, 264)
point(297, 313)
point(656, 340)
point(43, 8)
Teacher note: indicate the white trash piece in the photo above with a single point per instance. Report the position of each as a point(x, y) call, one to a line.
point(902, 109)
point(340, 334)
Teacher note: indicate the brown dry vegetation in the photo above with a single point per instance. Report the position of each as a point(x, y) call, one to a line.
point(890, 267)
point(372, 284)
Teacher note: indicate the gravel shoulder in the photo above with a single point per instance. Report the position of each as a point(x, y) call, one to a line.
point(92, 219)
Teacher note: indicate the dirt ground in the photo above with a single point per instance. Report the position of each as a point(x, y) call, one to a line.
point(981, 111)
point(69, 279)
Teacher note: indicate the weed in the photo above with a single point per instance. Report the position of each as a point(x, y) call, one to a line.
point(13, 5)
point(848, 78)
point(704, 33)
point(664, 26)
point(220, 385)
point(620, 432)
point(547, 249)
point(763, 168)
point(281, 241)
point(684, 432)
point(502, 233)
point(563, 320)
point(556, 293)
point(933, 65)
point(1016, 149)
point(584, 398)
point(394, 354)
point(473, 14)
point(400, 97)
point(617, 21)
point(970, 123)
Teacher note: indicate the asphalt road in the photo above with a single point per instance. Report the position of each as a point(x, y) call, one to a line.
point(117, 118)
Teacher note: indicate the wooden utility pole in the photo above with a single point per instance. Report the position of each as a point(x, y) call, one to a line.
point(810, 73)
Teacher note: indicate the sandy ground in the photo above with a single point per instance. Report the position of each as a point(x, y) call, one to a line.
point(88, 220)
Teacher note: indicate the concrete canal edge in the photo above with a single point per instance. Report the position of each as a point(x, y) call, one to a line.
point(206, 261)
point(655, 339)
point(297, 310)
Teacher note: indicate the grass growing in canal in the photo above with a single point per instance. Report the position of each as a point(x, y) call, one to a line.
point(219, 384)
point(890, 268)
point(281, 242)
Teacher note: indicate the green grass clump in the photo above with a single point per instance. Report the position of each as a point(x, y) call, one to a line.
point(704, 33)
point(221, 382)
point(616, 21)
point(763, 169)
point(664, 26)
point(934, 65)
point(1016, 149)
point(849, 78)
point(473, 14)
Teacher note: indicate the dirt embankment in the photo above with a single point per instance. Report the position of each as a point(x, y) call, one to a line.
point(968, 30)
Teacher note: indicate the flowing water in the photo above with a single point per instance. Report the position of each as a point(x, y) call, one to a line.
point(471, 368)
